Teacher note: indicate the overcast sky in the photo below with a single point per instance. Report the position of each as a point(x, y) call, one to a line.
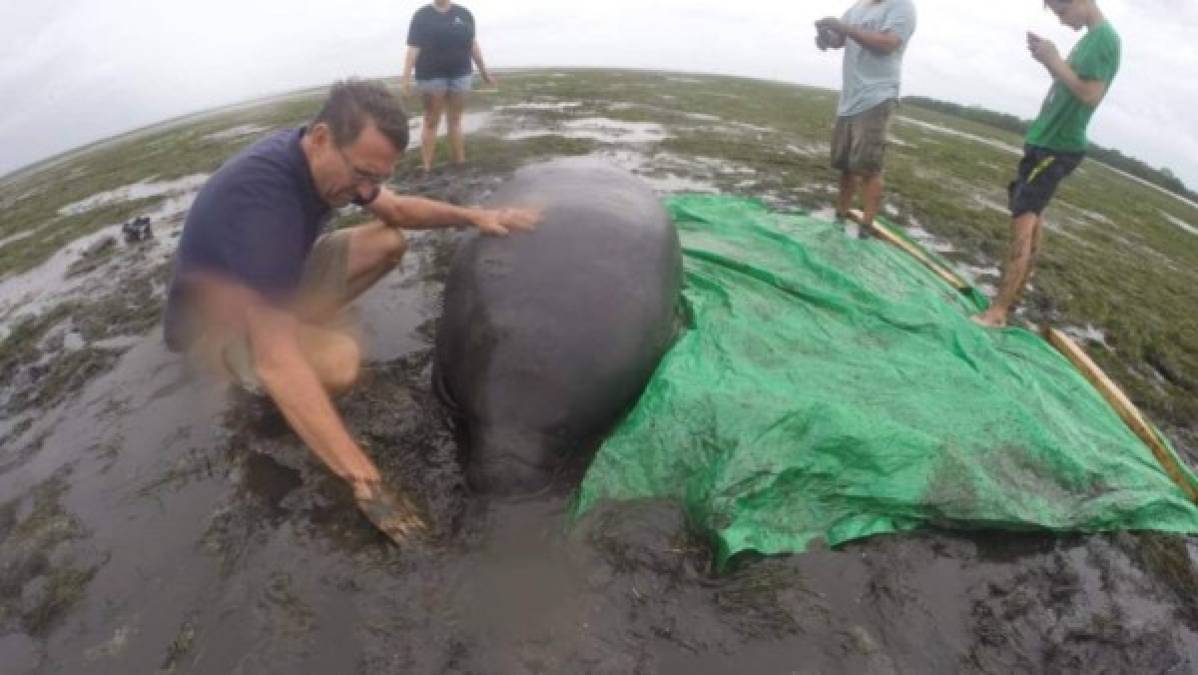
point(74, 71)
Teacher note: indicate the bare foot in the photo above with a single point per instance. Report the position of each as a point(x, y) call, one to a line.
point(990, 319)
point(393, 514)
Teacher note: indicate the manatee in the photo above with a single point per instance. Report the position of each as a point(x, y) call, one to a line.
point(548, 337)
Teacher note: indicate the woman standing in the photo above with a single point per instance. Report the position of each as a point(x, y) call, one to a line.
point(441, 45)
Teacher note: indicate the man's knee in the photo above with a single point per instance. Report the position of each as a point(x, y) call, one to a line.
point(1023, 230)
point(341, 363)
point(392, 244)
point(1025, 224)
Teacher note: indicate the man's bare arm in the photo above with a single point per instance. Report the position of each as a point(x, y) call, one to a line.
point(882, 43)
point(1090, 92)
point(295, 388)
point(418, 213)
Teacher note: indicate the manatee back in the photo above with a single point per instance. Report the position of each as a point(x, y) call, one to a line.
point(546, 337)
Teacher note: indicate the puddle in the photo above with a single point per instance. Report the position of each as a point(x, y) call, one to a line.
point(990, 204)
point(629, 160)
point(827, 213)
point(18, 237)
point(664, 172)
point(706, 165)
point(1141, 181)
point(139, 190)
point(745, 126)
point(236, 132)
point(974, 272)
point(669, 182)
point(1086, 214)
point(1180, 223)
point(20, 653)
point(1006, 147)
point(1087, 334)
point(601, 129)
point(559, 106)
point(983, 278)
point(32, 292)
point(472, 122)
point(807, 150)
point(926, 239)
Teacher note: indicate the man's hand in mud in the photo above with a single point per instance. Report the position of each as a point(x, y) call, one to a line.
point(393, 514)
point(501, 222)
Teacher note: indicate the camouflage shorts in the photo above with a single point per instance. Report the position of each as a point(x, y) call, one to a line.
point(859, 142)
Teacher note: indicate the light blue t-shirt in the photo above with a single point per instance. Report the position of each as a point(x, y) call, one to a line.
point(871, 78)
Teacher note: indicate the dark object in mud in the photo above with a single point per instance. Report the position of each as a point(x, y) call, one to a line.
point(547, 338)
point(137, 230)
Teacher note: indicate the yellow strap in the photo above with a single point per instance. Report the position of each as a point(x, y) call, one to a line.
point(1044, 164)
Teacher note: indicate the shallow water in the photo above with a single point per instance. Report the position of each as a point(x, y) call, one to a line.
point(1005, 147)
point(1180, 223)
point(152, 521)
point(139, 190)
point(236, 132)
point(599, 129)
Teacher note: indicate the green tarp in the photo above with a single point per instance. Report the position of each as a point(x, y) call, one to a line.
point(832, 389)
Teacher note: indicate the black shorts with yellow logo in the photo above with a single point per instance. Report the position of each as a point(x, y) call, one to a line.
point(1040, 172)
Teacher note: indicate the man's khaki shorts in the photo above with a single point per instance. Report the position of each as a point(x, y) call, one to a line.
point(859, 142)
point(326, 273)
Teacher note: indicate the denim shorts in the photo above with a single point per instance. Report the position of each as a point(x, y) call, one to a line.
point(441, 85)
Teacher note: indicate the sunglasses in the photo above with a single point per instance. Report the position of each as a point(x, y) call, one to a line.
point(362, 175)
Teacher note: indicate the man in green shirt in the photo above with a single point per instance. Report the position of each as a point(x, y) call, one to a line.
point(1056, 141)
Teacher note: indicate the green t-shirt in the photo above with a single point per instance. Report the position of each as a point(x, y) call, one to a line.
point(1064, 117)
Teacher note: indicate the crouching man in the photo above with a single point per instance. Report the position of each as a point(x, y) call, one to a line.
point(257, 281)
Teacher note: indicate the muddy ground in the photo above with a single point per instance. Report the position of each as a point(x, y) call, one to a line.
point(152, 521)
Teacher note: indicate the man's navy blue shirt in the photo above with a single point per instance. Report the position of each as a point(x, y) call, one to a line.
point(254, 223)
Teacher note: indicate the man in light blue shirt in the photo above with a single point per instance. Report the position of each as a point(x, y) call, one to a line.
point(874, 35)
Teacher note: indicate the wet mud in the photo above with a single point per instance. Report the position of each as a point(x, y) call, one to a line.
point(153, 521)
